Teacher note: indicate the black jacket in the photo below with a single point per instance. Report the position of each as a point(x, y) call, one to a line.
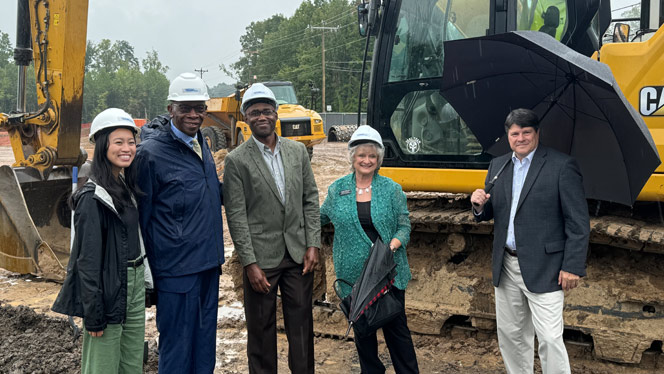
point(96, 284)
point(551, 224)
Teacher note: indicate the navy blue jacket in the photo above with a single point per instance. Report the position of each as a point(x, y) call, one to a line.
point(180, 213)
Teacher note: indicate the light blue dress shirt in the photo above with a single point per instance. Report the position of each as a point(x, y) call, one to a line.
point(188, 140)
point(275, 165)
point(520, 172)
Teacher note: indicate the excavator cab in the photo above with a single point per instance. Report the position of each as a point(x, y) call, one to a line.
point(34, 212)
point(420, 128)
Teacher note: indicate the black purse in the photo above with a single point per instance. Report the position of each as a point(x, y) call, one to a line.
point(386, 308)
point(380, 308)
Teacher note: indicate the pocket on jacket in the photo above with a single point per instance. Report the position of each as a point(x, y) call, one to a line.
point(256, 229)
point(554, 247)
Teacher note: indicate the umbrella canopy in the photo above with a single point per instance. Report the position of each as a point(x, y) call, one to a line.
point(583, 112)
point(378, 273)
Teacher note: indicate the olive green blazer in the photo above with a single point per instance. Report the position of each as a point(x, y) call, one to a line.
point(261, 226)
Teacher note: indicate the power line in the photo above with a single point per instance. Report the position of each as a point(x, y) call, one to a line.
point(201, 71)
point(264, 49)
point(345, 70)
point(344, 62)
point(625, 7)
point(269, 43)
point(349, 43)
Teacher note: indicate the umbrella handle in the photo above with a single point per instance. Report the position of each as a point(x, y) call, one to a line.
point(350, 324)
point(489, 186)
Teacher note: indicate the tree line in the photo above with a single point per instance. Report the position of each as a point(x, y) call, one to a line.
point(278, 48)
point(114, 77)
point(290, 49)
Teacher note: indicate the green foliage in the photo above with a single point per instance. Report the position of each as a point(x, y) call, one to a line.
point(289, 49)
point(8, 78)
point(114, 77)
point(221, 90)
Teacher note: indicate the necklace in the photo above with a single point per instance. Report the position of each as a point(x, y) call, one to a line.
point(363, 190)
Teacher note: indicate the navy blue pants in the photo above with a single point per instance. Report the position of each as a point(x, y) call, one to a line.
point(187, 322)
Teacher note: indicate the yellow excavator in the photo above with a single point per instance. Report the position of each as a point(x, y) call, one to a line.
point(34, 213)
point(224, 126)
point(618, 312)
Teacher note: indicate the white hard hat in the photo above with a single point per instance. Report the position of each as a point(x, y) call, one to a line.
point(111, 117)
point(257, 91)
point(364, 134)
point(188, 87)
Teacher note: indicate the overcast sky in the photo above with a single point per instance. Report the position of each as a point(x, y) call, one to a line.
point(187, 35)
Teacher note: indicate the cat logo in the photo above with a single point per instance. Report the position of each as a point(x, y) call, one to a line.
point(296, 127)
point(651, 101)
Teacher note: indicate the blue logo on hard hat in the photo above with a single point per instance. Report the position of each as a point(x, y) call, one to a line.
point(126, 119)
point(191, 90)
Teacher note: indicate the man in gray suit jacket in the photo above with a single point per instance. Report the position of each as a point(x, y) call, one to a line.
point(541, 229)
point(272, 210)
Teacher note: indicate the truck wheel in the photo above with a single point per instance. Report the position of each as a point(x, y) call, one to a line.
point(341, 133)
point(214, 137)
point(310, 151)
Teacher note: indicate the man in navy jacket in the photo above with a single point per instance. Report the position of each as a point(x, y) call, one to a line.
point(180, 217)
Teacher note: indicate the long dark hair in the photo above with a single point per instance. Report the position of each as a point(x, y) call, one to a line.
point(102, 172)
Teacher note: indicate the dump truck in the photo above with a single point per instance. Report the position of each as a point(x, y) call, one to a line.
point(224, 127)
point(618, 311)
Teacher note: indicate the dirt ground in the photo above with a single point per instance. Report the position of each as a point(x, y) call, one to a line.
point(35, 340)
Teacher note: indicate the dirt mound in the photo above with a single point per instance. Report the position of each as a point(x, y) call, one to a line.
point(34, 343)
point(22, 330)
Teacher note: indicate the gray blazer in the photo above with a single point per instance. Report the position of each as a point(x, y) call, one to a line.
point(262, 227)
point(551, 225)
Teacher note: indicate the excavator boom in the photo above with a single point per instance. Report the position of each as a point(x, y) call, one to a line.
point(46, 143)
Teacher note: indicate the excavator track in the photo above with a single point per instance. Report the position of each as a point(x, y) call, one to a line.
point(617, 312)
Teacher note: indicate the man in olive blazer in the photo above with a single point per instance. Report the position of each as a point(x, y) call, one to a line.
point(271, 201)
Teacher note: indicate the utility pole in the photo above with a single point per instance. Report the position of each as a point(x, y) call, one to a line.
point(201, 71)
point(323, 28)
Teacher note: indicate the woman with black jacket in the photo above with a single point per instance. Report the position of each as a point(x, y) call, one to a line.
point(107, 272)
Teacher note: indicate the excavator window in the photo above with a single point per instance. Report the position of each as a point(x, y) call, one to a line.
point(423, 26)
point(425, 123)
point(422, 122)
point(549, 16)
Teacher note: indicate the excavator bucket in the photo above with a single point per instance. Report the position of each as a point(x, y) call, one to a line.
point(35, 221)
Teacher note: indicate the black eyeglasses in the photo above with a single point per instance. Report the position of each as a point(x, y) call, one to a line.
point(264, 112)
point(184, 108)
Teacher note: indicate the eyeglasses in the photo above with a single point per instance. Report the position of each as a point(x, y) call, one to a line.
point(264, 112)
point(184, 108)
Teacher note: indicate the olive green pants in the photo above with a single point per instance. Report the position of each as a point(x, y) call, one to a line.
point(120, 348)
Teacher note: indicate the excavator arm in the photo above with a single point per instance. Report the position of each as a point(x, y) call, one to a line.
point(46, 142)
point(52, 32)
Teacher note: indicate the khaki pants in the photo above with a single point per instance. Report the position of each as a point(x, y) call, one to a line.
point(120, 349)
point(519, 315)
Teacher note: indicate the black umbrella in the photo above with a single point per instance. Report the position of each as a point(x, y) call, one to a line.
point(582, 110)
point(371, 297)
